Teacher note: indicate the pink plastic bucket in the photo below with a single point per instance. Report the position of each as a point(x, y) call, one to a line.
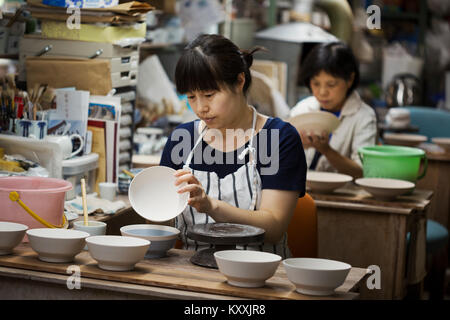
point(44, 196)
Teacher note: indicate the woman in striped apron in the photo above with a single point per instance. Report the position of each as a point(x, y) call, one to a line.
point(215, 75)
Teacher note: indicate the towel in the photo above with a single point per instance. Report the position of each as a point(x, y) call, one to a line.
point(94, 204)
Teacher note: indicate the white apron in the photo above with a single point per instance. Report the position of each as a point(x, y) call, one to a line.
point(241, 189)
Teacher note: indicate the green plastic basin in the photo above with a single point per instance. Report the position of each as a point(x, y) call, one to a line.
point(393, 162)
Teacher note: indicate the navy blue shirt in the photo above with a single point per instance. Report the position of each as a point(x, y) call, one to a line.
point(281, 159)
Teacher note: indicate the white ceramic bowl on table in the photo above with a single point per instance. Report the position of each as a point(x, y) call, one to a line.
point(404, 139)
point(246, 268)
point(317, 277)
point(162, 238)
point(57, 245)
point(315, 122)
point(385, 189)
point(117, 253)
point(444, 143)
point(324, 182)
point(11, 234)
point(153, 194)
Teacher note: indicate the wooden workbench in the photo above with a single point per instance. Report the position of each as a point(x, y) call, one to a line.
point(24, 276)
point(438, 180)
point(355, 228)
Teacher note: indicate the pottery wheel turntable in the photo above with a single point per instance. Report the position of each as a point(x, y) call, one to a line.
point(222, 236)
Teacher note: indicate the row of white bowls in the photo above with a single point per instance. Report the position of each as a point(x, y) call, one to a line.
point(311, 276)
point(384, 189)
point(120, 253)
point(115, 253)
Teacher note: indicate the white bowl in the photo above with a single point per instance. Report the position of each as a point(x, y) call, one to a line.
point(315, 122)
point(153, 194)
point(444, 143)
point(324, 182)
point(385, 189)
point(162, 238)
point(11, 234)
point(57, 245)
point(117, 253)
point(317, 277)
point(404, 139)
point(245, 268)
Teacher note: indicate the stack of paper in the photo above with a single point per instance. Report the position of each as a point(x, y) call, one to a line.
point(104, 119)
point(128, 12)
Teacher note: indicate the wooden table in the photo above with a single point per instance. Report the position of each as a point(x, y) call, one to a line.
point(357, 229)
point(24, 276)
point(437, 179)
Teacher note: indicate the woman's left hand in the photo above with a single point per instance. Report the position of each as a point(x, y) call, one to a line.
point(198, 198)
point(320, 142)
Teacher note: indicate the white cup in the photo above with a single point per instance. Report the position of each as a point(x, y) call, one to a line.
point(107, 190)
point(94, 228)
point(65, 142)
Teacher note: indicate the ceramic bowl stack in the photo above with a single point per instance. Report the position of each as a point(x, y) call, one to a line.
point(315, 122)
point(245, 268)
point(398, 118)
point(326, 182)
point(162, 238)
point(56, 245)
point(117, 253)
point(385, 189)
point(124, 180)
point(404, 139)
point(11, 235)
point(317, 277)
point(444, 143)
point(153, 194)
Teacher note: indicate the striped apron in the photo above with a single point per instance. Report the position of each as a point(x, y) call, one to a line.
point(241, 189)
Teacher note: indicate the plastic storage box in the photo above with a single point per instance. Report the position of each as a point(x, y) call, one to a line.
point(77, 168)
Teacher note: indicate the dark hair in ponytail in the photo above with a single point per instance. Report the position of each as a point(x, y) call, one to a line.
point(211, 61)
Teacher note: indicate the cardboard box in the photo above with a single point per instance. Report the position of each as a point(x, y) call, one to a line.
point(92, 32)
point(124, 62)
point(85, 74)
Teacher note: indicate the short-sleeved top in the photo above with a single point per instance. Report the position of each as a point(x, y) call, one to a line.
point(358, 128)
point(281, 160)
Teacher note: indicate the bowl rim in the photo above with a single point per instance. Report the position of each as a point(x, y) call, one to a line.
point(405, 136)
point(91, 240)
point(35, 233)
point(441, 140)
point(345, 266)
point(175, 231)
point(23, 227)
point(133, 201)
point(275, 257)
point(408, 184)
point(345, 177)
